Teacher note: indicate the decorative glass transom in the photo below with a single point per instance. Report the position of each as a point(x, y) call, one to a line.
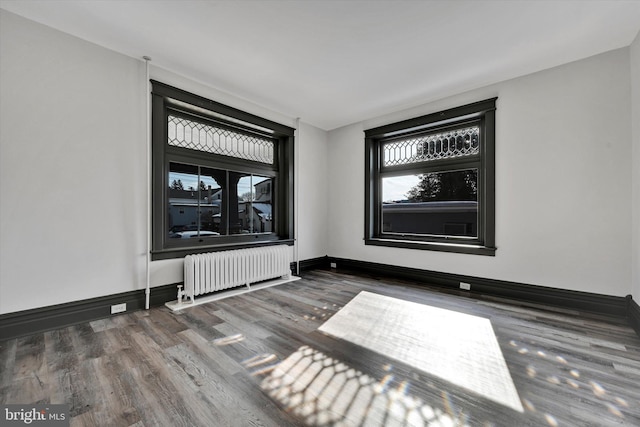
point(212, 139)
point(444, 145)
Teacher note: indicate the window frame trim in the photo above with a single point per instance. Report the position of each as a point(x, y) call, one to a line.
point(483, 113)
point(164, 103)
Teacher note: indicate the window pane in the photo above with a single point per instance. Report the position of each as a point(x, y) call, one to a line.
point(194, 202)
point(240, 203)
point(253, 204)
point(201, 206)
point(262, 205)
point(439, 203)
point(212, 184)
point(183, 201)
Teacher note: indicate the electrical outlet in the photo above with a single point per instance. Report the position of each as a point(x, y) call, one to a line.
point(334, 265)
point(465, 286)
point(119, 308)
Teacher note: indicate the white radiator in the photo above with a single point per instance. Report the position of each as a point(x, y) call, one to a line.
point(215, 271)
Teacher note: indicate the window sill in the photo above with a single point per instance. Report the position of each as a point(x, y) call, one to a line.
point(173, 253)
point(433, 246)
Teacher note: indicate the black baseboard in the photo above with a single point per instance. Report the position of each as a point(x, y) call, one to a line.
point(634, 315)
point(27, 322)
point(583, 301)
point(319, 263)
point(22, 323)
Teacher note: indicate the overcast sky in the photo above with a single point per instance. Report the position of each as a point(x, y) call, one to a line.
point(396, 188)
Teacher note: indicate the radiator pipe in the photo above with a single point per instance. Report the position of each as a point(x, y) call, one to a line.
point(147, 291)
point(296, 191)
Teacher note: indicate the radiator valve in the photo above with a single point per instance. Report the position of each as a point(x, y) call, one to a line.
point(180, 294)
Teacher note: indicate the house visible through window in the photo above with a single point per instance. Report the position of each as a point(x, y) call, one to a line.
point(430, 181)
point(197, 192)
point(222, 178)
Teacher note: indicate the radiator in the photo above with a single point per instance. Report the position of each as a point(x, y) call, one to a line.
point(216, 271)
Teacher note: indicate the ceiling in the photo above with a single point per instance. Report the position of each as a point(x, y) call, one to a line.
point(333, 62)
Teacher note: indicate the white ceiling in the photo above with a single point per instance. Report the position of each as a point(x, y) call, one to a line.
point(333, 63)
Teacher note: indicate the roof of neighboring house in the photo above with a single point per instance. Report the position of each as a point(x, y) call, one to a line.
point(440, 206)
point(264, 209)
point(175, 193)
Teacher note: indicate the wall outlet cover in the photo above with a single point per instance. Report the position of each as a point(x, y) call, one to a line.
point(118, 308)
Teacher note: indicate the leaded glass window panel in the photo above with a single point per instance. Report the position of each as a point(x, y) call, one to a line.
point(218, 140)
point(442, 145)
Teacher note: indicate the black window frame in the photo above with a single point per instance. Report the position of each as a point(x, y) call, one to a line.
point(481, 114)
point(168, 100)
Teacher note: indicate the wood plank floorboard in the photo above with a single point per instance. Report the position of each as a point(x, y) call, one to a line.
point(258, 359)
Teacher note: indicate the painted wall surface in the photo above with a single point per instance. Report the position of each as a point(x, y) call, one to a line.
point(563, 173)
point(72, 165)
point(312, 194)
point(635, 121)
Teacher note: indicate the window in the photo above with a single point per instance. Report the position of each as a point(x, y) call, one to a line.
point(430, 181)
point(222, 178)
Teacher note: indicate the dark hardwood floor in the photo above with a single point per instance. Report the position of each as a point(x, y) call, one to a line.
point(224, 364)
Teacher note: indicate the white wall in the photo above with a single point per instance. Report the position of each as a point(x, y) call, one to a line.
point(563, 172)
point(73, 169)
point(635, 120)
point(72, 166)
point(313, 191)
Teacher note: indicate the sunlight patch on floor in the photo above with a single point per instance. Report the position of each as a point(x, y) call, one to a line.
point(325, 391)
point(456, 347)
